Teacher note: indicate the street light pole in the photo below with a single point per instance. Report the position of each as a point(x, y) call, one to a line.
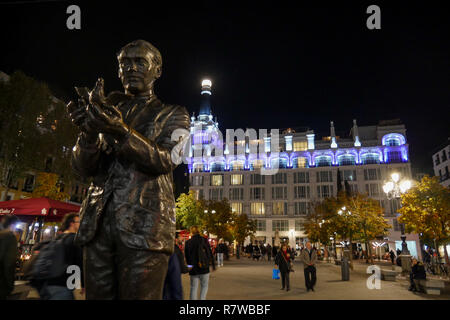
point(394, 188)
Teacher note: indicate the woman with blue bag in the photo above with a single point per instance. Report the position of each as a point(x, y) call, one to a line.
point(283, 261)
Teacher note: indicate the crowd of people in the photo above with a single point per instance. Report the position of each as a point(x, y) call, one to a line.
point(195, 257)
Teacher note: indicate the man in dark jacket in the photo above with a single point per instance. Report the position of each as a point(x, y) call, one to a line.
point(56, 288)
point(417, 273)
point(199, 271)
point(392, 255)
point(173, 288)
point(129, 143)
point(8, 255)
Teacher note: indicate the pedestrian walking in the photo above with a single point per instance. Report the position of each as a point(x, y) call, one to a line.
point(55, 286)
point(283, 261)
point(221, 249)
point(199, 258)
point(256, 252)
point(392, 255)
point(309, 259)
point(263, 250)
point(173, 288)
point(269, 251)
point(8, 255)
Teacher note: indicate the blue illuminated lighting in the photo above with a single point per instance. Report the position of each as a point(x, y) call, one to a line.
point(393, 139)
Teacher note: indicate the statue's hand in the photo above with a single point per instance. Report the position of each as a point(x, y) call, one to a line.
point(105, 118)
point(78, 114)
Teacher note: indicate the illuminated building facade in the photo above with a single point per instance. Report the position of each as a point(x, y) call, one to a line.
point(307, 172)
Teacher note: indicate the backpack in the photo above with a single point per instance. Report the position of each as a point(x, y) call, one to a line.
point(50, 262)
point(203, 256)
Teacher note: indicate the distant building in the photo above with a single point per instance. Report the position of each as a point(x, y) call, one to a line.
point(441, 163)
point(22, 188)
point(307, 172)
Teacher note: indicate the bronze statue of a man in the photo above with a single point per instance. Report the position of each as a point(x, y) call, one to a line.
point(128, 217)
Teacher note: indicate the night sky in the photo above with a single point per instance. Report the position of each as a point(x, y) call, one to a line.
point(272, 64)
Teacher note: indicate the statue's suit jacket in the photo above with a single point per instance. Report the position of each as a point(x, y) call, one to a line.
point(134, 175)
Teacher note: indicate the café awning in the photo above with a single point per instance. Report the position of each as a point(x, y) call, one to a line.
point(38, 207)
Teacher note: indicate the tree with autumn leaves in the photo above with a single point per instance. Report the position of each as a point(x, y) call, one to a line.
point(219, 219)
point(352, 217)
point(426, 210)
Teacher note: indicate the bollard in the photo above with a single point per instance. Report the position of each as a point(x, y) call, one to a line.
point(345, 270)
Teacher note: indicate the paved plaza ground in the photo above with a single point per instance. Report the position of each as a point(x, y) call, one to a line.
point(252, 280)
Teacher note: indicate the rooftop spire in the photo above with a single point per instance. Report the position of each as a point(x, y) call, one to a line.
point(333, 135)
point(356, 134)
point(205, 106)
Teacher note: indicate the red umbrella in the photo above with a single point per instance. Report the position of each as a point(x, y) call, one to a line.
point(51, 210)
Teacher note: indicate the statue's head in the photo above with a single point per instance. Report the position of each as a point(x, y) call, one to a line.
point(140, 64)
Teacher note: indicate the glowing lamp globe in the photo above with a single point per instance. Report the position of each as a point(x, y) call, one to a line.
point(395, 176)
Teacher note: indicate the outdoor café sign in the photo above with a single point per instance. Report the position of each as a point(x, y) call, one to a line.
point(7, 211)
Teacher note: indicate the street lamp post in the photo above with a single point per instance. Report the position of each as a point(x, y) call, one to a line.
point(393, 189)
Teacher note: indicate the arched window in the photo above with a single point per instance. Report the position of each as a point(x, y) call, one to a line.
point(237, 165)
point(282, 163)
point(217, 166)
point(198, 167)
point(256, 164)
point(300, 162)
point(393, 139)
point(323, 161)
point(346, 160)
point(370, 158)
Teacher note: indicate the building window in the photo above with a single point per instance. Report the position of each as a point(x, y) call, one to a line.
point(236, 179)
point(348, 175)
point(256, 164)
point(198, 167)
point(373, 190)
point(257, 208)
point(323, 161)
point(257, 179)
point(257, 193)
point(324, 191)
point(197, 180)
point(29, 183)
point(324, 176)
point(396, 225)
point(300, 208)
point(281, 162)
point(392, 141)
point(236, 194)
point(279, 208)
point(236, 207)
point(260, 225)
point(370, 158)
point(216, 194)
point(298, 225)
point(437, 160)
point(279, 193)
point(300, 162)
point(237, 165)
point(217, 166)
point(217, 180)
point(394, 156)
point(279, 178)
point(372, 174)
point(346, 160)
point(300, 146)
point(301, 192)
point(301, 177)
point(280, 225)
point(444, 156)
